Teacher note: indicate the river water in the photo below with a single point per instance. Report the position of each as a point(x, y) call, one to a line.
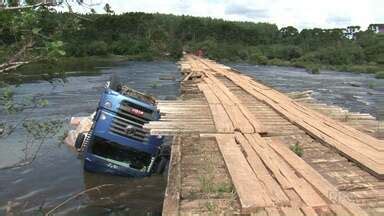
point(57, 174)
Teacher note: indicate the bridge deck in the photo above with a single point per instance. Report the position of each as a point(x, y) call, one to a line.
point(232, 153)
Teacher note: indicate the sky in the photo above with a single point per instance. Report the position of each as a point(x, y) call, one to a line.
point(298, 13)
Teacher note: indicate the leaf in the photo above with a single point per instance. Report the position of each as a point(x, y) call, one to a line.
point(59, 43)
point(36, 30)
point(61, 52)
point(42, 102)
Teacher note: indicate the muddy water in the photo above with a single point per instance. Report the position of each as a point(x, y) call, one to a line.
point(57, 174)
point(355, 92)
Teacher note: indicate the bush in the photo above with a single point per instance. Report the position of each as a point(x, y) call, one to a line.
point(176, 49)
point(97, 48)
point(285, 52)
point(279, 62)
point(359, 68)
point(380, 75)
point(258, 58)
point(313, 69)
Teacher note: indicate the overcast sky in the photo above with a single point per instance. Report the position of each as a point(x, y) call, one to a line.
point(298, 13)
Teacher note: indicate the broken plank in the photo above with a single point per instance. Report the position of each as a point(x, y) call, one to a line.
point(251, 193)
point(273, 188)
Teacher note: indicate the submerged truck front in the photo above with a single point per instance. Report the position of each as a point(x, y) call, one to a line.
point(118, 143)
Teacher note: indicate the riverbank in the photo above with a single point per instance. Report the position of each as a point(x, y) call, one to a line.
point(83, 63)
point(91, 65)
point(69, 66)
point(376, 69)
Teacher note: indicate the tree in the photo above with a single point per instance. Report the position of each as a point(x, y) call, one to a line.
point(108, 9)
point(30, 36)
point(289, 34)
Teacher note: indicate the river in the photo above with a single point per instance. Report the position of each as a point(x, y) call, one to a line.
point(57, 173)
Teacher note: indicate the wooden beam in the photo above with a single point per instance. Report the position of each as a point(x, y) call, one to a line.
point(313, 177)
point(172, 193)
point(274, 190)
point(249, 188)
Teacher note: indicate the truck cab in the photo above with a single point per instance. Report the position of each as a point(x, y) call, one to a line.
point(117, 143)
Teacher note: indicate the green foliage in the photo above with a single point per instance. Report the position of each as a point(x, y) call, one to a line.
point(297, 149)
point(258, 58)
point(151, 36)
point(279, 62)
point(313, 69)
point(7, 101)
point(380, 75)
point(359, 68)
point(11, 106)
point(209, 186)
point(55, 49)
point(97, 48)
point(176, 49)
point(211, 206)
point(41, 129)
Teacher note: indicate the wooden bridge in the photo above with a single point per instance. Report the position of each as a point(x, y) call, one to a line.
point(242, 147)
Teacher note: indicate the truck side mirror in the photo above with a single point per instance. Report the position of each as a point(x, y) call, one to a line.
point(107, 84)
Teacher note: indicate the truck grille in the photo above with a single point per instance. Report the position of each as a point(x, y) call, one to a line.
point(126, 124)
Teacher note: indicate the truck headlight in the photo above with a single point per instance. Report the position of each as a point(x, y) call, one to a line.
point(103, 116)
point(108, 104)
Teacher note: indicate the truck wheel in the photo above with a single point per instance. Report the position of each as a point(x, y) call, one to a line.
point(79, 140)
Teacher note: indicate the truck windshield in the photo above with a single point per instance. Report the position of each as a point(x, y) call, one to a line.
point(116, 153)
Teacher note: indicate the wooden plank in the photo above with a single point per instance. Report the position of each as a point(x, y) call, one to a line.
point(259, 212)
point(172, 192)
point(356, 155)
point(303, 189)
point(308, 211)
point(240, 122)
point(236, 101)
point(339, 210)
point(313, 177)
point(272, 211)
point(311, 122)
point(295, 200)
point(291, 211)
point(250, 191)
point(222, 121)
point(269, 162)
point(188, 76)
point(273, 188)
point(342, 135)
point(209, 95)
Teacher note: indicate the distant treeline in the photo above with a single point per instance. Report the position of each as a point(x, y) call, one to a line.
point(151, 36)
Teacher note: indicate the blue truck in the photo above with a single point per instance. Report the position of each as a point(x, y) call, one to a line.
point(117, 142)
